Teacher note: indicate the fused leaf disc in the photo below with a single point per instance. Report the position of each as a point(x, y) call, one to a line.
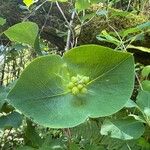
point(42, 91)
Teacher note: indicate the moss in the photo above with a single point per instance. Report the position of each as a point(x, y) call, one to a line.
point(116, 18)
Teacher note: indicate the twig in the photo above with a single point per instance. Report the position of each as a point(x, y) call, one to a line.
point(126, 51)
point(46, 18)
point(69, 32)
point(69, 24)
point(38, 7)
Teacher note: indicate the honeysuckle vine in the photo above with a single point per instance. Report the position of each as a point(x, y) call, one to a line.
point(88, 81)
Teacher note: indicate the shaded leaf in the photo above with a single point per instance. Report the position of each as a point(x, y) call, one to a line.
point(130, 104)
point(125, 129)
point(146, 85)
point(13, 119)
point(2, 21)
point(146, 71)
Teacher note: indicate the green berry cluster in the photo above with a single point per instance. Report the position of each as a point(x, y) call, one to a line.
point(78, 84)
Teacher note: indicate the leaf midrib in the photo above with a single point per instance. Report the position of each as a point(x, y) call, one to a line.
point(107, 71)
point(65, 93)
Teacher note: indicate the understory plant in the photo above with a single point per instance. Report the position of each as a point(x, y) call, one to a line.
point(86, 97)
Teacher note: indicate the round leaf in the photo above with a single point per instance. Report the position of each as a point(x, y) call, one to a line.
point(25, 32)
point(42, 91)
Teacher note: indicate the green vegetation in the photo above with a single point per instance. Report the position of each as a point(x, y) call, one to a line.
point(74, 75)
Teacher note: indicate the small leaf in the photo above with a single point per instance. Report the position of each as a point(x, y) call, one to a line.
point(138, 118)
point(125, 129)
point(58, 0)
point(13, 119)
point(84, 4)
point(32, 136)
point(140, 48)
point(28, 2)
point(146, 85)
point(25, 32)
point(146, 71)
point(144, 26)
point(2, 21)
point(104, 36)
point(143, 101)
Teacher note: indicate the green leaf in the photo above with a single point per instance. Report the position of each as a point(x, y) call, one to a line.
point(25, 148)
point(52, 144)
point(144, 26)
point(125, 129)
point(13, 119)
point(32, 136)
point(126, 32)
point(146, 71)
point(140, 48)
point(143, 101)
point(46, 85)
point(29, 2)
point(2, 21)
point(144, 143)
point(84, 4)
point(130, 104)
point(58, 0)
point(25, 32)
point(146, 85)
point(104, 36)
point(138, 118)
point(3, 95)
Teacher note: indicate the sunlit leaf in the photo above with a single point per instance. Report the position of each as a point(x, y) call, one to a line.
point(25, 32)
point(125, 129)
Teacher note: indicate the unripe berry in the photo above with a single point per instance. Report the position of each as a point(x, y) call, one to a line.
point(70, 85)
point(75, 90)
point(74, 79)
point(80, 86)
point(84, 90)
point(85, 80)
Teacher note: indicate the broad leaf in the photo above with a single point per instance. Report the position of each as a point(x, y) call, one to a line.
point(125, 129)
point(25, 32)
point(88, 81)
